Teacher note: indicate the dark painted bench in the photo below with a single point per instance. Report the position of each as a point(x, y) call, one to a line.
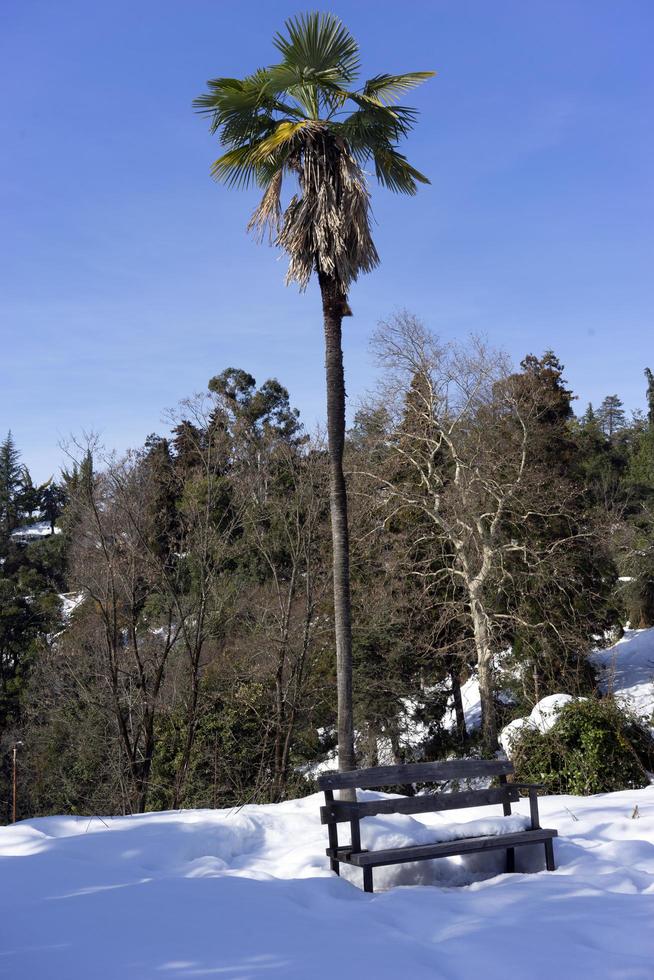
point(506, 793)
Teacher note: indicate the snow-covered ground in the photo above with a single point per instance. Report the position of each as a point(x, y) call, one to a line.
point(627, 670)
point(247, 894)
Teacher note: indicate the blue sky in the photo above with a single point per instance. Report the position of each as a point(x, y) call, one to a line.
point(126, 275)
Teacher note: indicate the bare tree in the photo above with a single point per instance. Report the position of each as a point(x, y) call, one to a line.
point(154, 587)
point(193, 567)
point(109, 567)
point(284, 527)
point(463, 427)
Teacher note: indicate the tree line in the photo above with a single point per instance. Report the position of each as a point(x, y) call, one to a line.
point(172, 645)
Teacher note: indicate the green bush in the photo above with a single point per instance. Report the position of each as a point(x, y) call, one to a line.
point(594, 747)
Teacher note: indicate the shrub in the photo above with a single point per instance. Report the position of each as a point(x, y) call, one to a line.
point(594, 747)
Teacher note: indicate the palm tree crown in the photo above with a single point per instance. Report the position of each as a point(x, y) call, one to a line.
point(302, 118)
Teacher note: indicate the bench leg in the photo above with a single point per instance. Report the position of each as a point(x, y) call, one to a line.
point(510, 860)
point(367, 879)
point(335, 866)
point(549, 855)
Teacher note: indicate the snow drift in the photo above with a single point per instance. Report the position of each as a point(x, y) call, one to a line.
point(246, 893)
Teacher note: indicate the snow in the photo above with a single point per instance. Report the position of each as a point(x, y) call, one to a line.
point(398, 830)
point(627, 670)
point(32, 532)
point(471, 699)
point(246, 893)
point(69, 603)
point(542, 718)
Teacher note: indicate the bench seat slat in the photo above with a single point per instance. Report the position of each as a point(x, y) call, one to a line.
point(339, 811)
point(414, 773)
point(468, 845)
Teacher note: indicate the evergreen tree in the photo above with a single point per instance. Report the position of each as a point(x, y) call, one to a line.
point(639, 594)
point(11, 481)
point(264, 409)
point(552, 657)
point(163, 498)
point(543, 377)
point(611, 416)
point(590, 416)
point(650, 399)
point(53, 501)
point(29, 498)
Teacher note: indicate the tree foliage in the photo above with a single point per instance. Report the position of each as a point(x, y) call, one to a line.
point(170, 645)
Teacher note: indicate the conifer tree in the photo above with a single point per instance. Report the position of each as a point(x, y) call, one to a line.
point(11, 479)
point(543, 376)
point(590, 416)
point(611, 415)
point(53, 501)
point(650, 399)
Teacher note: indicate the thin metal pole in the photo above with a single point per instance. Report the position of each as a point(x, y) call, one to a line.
point(14, 787)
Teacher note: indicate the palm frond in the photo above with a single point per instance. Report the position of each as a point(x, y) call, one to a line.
point(236, 167)
point(267, 216)
point(319, 42)
point(298, 84)
point(284, 132)
point(394, 171)
point(387, 89)
point(375, 125)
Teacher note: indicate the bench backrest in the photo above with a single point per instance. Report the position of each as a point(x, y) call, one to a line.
point(340, 811)
point(414, 772)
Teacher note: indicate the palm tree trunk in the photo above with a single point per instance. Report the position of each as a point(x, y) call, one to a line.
point(335, 307)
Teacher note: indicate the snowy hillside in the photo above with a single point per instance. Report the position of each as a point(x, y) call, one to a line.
point(247, 894)
point(627, 670)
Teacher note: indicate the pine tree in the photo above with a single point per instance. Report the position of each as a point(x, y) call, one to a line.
point(590, 415)
point(28, 497)
point(11, 479)
point(640, 477)
point(611, 415)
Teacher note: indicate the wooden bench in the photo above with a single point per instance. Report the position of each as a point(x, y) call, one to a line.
point(506, 793)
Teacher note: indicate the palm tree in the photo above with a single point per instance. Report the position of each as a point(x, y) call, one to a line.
point(301, 119)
